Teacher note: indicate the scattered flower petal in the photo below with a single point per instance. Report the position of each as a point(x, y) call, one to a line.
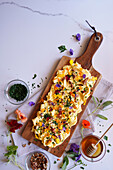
point(31, 103)
point(86, 124)
point(71, 52)
point(78, 37)
point(20, 116)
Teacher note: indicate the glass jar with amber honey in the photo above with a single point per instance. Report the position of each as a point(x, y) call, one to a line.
point(101, 148)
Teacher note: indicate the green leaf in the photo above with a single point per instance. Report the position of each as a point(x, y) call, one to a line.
point(107, 103)
point(62, 48)
point(12, 148)
point(97, 100)
point(94, 100)
point(102, 117)
point(64, 166)
point(66, 160)
point(8, 154)
point(106, 137)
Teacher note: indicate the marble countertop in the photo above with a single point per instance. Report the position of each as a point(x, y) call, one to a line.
point(30, 33)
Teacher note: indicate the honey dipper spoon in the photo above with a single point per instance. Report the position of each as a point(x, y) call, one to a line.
point(93, 147)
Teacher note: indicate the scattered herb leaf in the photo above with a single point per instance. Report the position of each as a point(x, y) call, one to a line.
point(106, 137)
point(62, 48)
point(108, 150)
point(34, 76)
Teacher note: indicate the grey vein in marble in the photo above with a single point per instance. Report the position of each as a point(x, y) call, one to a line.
point(32, 10)
point(46, 14)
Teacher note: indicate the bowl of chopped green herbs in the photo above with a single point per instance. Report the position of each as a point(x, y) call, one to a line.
point(17, 92)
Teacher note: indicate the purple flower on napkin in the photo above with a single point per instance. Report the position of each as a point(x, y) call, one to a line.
point(31, 103)
point(74, 147)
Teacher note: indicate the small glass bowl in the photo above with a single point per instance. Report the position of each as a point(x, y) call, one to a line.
point(100, 156)
point(11, 83)
point(28, 164)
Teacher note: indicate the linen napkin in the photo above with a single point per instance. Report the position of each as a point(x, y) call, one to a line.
point(103, 91)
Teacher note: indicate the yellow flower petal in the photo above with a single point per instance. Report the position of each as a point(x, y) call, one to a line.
point(71, 62)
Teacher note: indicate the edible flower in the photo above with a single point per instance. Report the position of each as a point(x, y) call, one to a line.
point(64, 128)
point(71, 62)
point(71, 52)
point(70, 107)
point(74, 147)
point(14, 125)
point(43, 124)
point(20, 116)
point(58, 85)
point(78, 37)
point(84, 76)
point(31, 103)
point(86, 124)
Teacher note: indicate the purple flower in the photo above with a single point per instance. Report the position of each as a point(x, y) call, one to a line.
point(74, 147)
point(31, 103)
point(59, 136)
point(70, 107)
point(78, 158)
point(84, 76)
point(58, 85)
point(64, 128)
point(71, 52)
point(78, 37)
point(43, 124)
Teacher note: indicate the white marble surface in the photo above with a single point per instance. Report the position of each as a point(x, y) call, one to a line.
point(31, 31)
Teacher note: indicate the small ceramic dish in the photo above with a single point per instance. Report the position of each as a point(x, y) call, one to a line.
point(9, 85)
point(28, 160)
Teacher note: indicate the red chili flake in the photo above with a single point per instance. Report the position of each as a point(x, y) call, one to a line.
point(57, 91)
point(67, 77)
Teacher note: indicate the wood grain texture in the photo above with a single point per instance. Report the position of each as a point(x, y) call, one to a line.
point(86, 61)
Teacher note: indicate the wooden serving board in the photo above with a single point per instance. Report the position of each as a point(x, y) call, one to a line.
point(86, 61)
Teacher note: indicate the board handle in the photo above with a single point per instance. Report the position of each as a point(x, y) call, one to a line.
point(86, 59)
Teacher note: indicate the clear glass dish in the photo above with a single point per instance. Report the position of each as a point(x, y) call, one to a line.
point(6, 91)
point(28, 164)
point(96, 158)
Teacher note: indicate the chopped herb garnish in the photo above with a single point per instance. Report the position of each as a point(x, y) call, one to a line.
point(108, 150)
point(34, 76)
point(38, 86)
point(18, 92)
point(109, 144)
point(106, 137)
